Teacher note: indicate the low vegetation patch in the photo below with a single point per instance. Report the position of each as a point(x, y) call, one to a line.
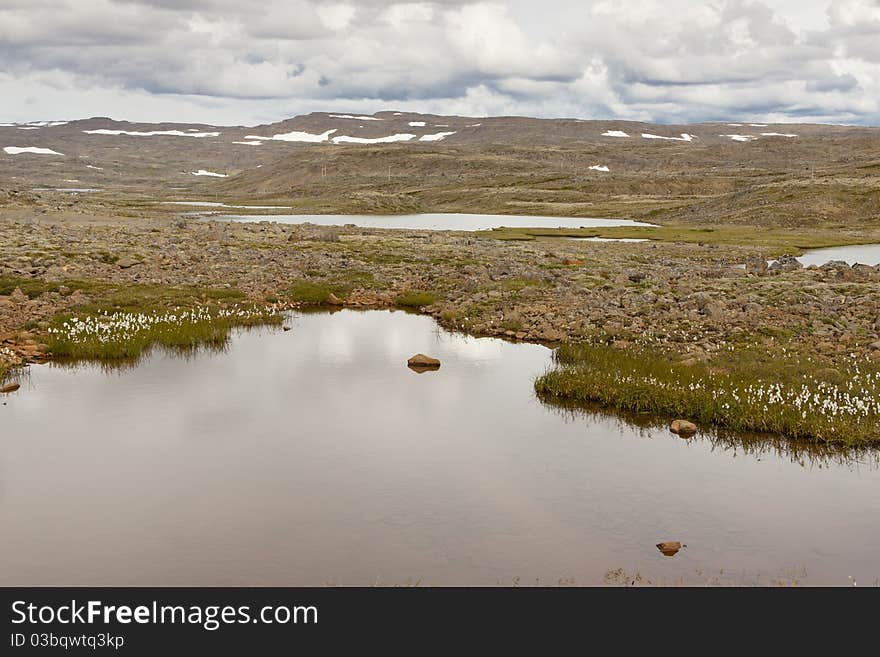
point(34, 287)
point(316, 293)
point(810, 402)
point(415, 299)
point(127, 335)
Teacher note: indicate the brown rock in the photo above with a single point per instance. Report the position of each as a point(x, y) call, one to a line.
point(127, 263)
point(669, 548)
point(421, 363)
point(683, 427)
point(9, 387)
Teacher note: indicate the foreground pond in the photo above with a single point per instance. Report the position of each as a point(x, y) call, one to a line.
point(440, 221)
point(315, 456)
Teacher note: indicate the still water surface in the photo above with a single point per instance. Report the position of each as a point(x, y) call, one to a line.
point(315, 457)
point(865, 254)
point(437, 221)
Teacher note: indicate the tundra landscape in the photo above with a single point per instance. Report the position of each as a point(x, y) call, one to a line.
point(681, 308)
point(442, 293)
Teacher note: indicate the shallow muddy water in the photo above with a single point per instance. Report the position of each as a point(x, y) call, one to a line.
point(315, 456)
point(438, 221)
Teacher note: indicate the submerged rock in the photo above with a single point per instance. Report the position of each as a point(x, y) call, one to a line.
point(9, 387)
point(669, 548)
point(422, 363)
point(683, 427)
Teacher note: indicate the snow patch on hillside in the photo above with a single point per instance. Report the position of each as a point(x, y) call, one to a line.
point(151, 133)
point(359, 118)
point(614, 133)
point(344, 139)
point(439, 136)
point(417, 124)
point(306, 137)
point(600, 167)
point(15, 150)
point(202, 172)
point(684, 137)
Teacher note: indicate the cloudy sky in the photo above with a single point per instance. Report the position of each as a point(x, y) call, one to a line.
point(247, 62)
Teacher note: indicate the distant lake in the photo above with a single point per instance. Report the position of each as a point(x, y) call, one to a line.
point(865, 254)
point(436, 221)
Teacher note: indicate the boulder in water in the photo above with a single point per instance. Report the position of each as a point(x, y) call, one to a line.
point(683, 427)
point(422, 363)
point(669, 548)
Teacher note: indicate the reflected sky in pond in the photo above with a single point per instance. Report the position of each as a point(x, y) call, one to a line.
point(315, 456)
point(435, 221)
point(865, 254)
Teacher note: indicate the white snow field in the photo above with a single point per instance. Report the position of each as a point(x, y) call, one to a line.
point(600, 167)
point(614, 133)
point(438, 136)
point(15, 150)
point(202, 172)
point(351, 116)
point(740, 137)
point(684, 137)
point(151, 133)
point(306, 137)
point(344, 139)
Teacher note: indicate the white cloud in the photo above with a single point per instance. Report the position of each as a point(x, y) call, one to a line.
point(230, 61)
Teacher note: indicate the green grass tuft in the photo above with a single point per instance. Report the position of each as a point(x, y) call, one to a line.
point(124, 335)
point(790, 397)
point(316, 293)
point(415, 299)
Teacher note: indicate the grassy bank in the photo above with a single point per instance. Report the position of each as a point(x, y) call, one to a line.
point(126, 335)
point(787, 395)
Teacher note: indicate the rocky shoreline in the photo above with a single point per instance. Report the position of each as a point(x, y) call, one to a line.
point(693, 301)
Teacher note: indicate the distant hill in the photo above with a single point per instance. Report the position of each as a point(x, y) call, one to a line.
point(780, 174)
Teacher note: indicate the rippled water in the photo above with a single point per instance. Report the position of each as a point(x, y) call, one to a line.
point(315, 456)
point(468, 222)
